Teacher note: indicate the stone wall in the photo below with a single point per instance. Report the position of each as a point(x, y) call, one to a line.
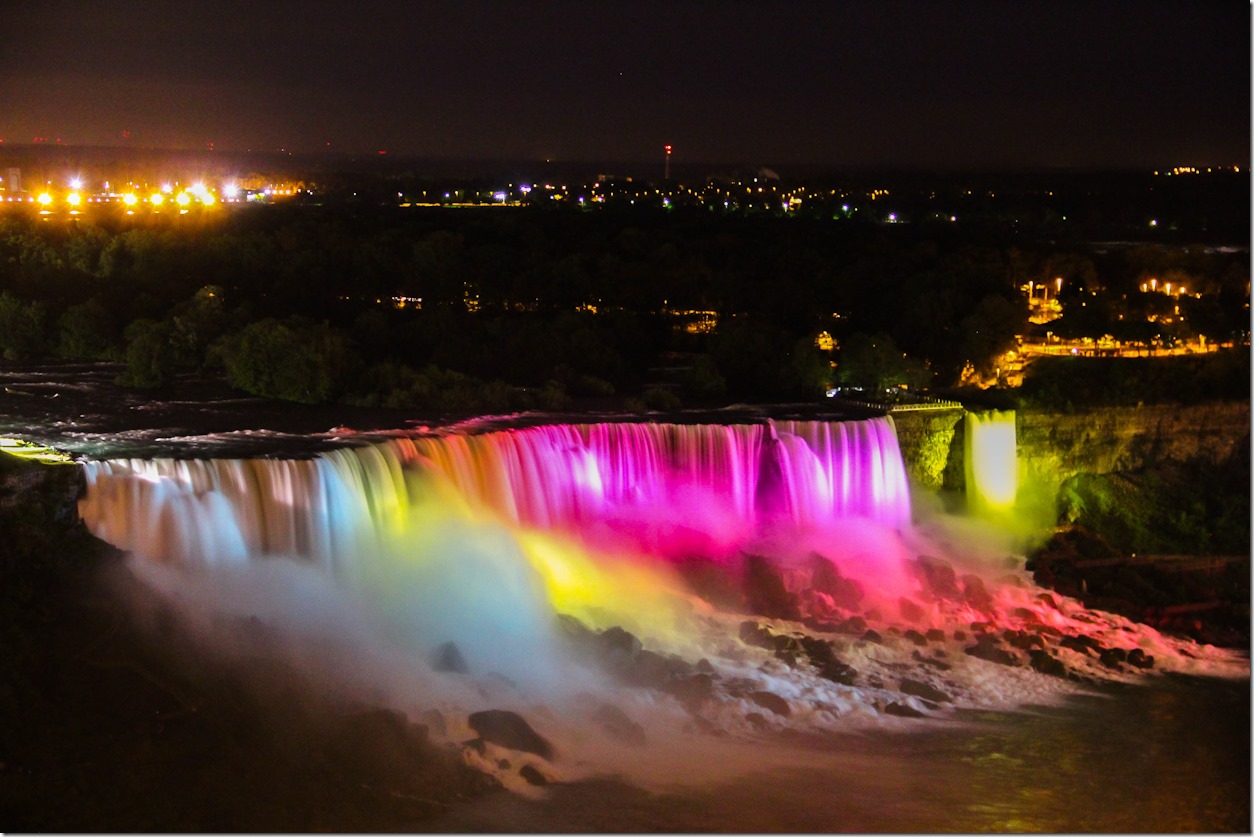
point(1054, 446)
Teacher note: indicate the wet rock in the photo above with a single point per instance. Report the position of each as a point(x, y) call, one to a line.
point(937, 576)
point(692, 691)
point(872, 636)
point(648, 669)
point(920, 689)
point(935, 635)
point(838, 672)
point(711, 581)
point(1112, 657)
point(616, 641)
point(1023, 640)
point(902, 710)
point(788, 649)
point(845, 592)
point(960, 635)
point(758, 720)
point(1139, 659)
point(1048, 599)
point(915, 637)
point(618, 725)
point(854, 625)
point(752, 633)
point(704, 666)
point(986, 648)
point(910, 610)
point(772, 703)
point(928, 661)
point(976, 594)
point(449, 658)
point(764, 590)
point(533, 776)
point(821, 625)
point(1046, 663)
point(510, 730)
point(1026, 614)
point(1086, 645)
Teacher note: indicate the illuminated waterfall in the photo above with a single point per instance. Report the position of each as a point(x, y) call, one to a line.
point(992, 475)
point(549, 477)
point(512, 525)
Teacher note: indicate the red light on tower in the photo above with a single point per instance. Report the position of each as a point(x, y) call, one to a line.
point(667, 174)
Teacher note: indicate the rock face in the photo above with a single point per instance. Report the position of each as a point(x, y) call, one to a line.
point(510, 730)
point(764, 590)
point(1054, 445)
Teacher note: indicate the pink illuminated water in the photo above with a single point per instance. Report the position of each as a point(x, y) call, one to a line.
point(370, 559)
point(719, 484)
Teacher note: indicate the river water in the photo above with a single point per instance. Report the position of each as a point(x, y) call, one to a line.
point(1172, 756)
point(1167, 754)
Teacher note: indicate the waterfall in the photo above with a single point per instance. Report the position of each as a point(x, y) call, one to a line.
point(481, 538)
point(549, 477)
point(991, 460)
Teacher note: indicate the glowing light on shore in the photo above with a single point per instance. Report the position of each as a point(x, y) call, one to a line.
point(992, 465)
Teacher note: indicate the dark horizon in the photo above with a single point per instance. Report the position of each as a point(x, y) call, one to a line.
point(420, 165)
point(883, 85)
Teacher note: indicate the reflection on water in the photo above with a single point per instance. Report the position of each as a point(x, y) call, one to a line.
point(1170, 757)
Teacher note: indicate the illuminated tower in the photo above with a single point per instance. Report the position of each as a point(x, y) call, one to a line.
point(13, 181)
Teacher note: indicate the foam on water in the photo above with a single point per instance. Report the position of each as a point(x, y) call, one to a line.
point(366, 561)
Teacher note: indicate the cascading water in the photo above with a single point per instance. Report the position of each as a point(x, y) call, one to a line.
point(991, 460)
point(676, 533)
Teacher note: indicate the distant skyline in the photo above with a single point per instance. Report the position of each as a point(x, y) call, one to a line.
point(975, 84)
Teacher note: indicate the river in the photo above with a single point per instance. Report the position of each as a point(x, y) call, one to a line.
point(1173, 756)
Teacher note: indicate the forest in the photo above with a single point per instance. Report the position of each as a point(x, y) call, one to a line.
point(457, 311)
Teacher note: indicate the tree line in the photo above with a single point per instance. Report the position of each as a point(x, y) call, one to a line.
point(466, 310)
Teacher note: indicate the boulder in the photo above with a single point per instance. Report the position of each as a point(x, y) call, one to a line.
point(692, 691)
point(764, 590)
point(902, 710)
point(975, 593)
point(1112, 657)
point(772, 703)
point(449, 658)
point(616, 641)
point(845, 592)
point(910, 610)
point(938, 576)
point(928, 661)
point(533, 776)
point(920, 689)
point(986, 648)
point(1046, 663)
point(509, 729)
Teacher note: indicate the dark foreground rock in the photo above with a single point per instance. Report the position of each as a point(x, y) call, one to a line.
point(510, 730)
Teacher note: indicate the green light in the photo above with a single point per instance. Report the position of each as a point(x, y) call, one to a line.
point(992, 465)
point(33, 452)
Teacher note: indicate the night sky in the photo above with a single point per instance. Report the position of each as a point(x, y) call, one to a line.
point(909, 84)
